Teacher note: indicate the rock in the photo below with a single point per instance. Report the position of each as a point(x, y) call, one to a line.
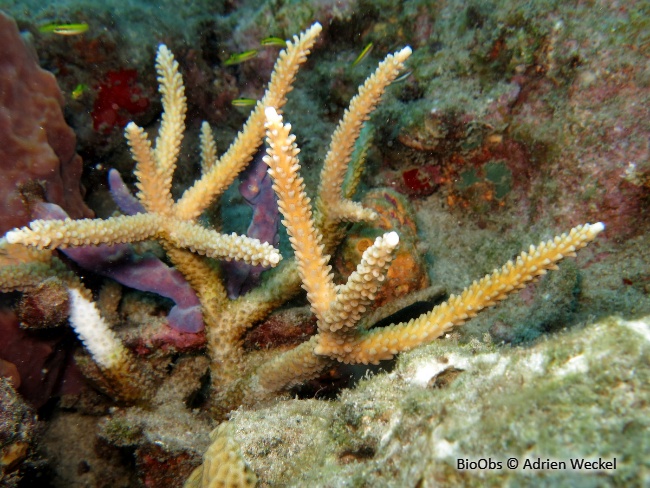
point(576, 395)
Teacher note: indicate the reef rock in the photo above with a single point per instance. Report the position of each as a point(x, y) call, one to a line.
point(577, 396)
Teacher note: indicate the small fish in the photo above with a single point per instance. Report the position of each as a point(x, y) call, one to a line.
point(78, 91)
point(403, 77)
point(64, 29)
point(241, 57)
point(273, 41)
point(243, 102)
point(364, 53)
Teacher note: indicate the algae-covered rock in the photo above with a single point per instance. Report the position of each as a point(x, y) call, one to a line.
point(18, 428)
point(579, 395)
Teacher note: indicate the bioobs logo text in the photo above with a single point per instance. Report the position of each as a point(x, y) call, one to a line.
point(481, 463)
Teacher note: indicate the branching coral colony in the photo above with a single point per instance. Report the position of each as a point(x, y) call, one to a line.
point(236, 379)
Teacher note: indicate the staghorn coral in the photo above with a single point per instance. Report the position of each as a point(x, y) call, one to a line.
point(256, 188)
point(339, 308)
point(174, 223)
point(314, 233)
point(145, 273)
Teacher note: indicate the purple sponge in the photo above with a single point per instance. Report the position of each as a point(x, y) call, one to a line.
point(145, 273)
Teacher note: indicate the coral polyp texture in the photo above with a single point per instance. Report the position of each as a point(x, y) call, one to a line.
point(314, 232)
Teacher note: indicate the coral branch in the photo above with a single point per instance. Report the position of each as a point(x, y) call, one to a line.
point(384, 343)
point(359, 291)
point(331, 206)
point(149, 181)
point(114, 360)
point(223, 173)
point(104, 346)
point(294, 205)
point(172, 126)
point(51, 234)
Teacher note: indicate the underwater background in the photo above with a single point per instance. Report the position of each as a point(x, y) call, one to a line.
point(512, 122)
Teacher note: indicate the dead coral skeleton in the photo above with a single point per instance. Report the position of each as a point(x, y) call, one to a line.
point(313, 234)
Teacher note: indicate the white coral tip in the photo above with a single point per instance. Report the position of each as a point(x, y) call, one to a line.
point(597, 227)
point(102, 343)
point(392, 239)
point(272, 115)
point(13, 236)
